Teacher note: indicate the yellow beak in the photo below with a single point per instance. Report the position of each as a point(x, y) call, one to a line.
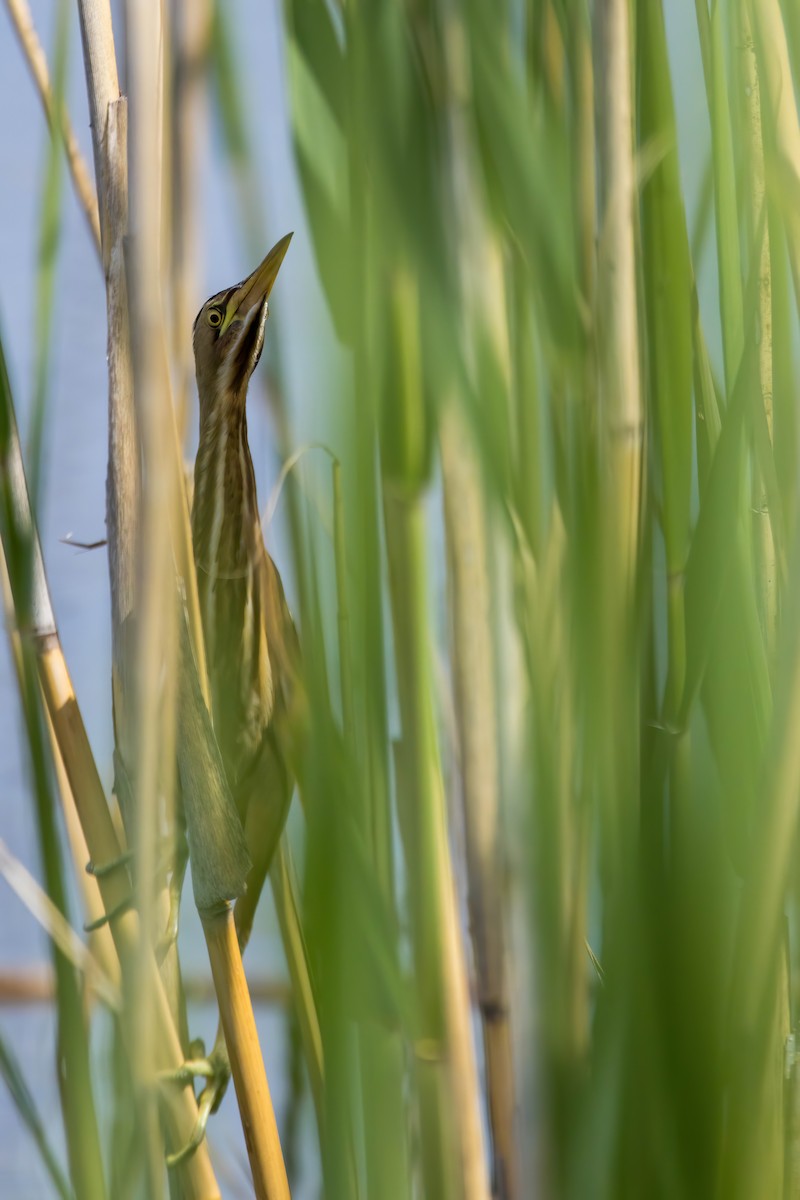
point(257, 286)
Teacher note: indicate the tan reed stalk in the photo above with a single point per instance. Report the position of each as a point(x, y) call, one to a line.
point(469, 575)
point(109, 121)
point(22, 20)
point(101, 941)
point(463, 1066)
point(155, 639)
point(247, 1066)
point(623, 414)
point(473, 661)
point(73, 1073)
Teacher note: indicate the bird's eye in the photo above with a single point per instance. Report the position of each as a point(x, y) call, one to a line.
point(214, 318)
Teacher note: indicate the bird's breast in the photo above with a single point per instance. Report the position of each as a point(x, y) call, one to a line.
point(229, 554)
point(239, 668)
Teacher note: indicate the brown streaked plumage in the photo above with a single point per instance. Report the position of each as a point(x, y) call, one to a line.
point(252, 650)
point(251, 644)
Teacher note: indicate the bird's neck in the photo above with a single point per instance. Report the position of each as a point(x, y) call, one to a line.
point(226, 525)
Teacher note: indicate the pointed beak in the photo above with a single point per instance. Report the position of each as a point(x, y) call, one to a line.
point(257, 286)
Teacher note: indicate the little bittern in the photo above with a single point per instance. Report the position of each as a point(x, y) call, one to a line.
point(251, 644)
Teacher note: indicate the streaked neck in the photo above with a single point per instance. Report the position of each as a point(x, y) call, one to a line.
point(226, 525)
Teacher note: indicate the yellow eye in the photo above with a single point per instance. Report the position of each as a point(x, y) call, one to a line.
point(214, 318)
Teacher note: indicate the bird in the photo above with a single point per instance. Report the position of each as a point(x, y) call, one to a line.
point(251, 644)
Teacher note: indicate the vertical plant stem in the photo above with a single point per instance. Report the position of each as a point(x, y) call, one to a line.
point(725, 200)
point(477, 719)
point(343, 615)
point(155, 640)
point(764, 1155)
point(472, 651)
point(102, 82)
point(123, 478)
point(287, 908)
point(759, 237)
point(241, 1038)
point(109, 121)
point(777, 100)
point(421, 804)
point(622, 437)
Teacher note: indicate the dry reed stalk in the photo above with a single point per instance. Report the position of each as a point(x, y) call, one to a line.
point(473, 661)
point(110, 140)
point(623, 413)
point(28, 985)
point(100, 939)
point(247, 1066)
point(36, 985)
point(463, 1066)
point(155, 639)
point(109, 122)
point(22, 20)
point(469, 575)
point(102, 944)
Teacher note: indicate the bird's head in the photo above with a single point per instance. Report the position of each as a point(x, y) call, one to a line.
point(229, 331)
